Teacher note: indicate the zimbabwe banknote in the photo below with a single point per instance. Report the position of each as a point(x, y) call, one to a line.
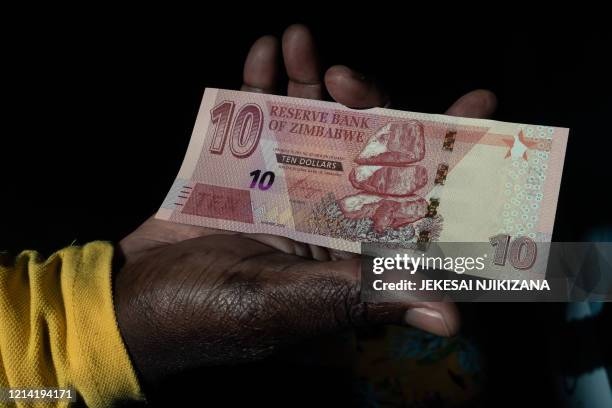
point(321, 173)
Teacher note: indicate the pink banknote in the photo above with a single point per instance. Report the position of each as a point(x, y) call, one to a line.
point(321, 173)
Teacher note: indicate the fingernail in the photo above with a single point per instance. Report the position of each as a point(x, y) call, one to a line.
point(427, 319)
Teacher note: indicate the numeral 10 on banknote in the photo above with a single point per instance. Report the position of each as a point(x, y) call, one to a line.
point(265, 182)
point(244, 132)
point(522, 254)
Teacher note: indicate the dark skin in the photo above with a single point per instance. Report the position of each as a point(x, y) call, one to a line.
point(189, 297)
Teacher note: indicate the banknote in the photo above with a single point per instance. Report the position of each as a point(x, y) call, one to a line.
point(324, 174)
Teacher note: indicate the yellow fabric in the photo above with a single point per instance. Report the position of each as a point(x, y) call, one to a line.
point(58, 326)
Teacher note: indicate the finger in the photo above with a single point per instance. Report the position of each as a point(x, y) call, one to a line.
point(352, 89)
point(261, 66)
point(283, 244)
point(476, 104)
point(319, 253)
point(440, 318)
point(339, 282)
point(337, 255)
point(302, 63)
point(291, 247)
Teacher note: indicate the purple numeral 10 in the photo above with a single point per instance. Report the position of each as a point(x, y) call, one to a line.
point(265, 182)
point(522, 255)
point(244, 132)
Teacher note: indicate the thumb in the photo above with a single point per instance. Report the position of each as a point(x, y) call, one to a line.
point(335, 289)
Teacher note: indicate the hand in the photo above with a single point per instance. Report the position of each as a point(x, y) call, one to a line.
point(189, 296)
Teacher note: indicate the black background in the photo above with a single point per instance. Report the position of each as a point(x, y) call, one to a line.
point(100, 112)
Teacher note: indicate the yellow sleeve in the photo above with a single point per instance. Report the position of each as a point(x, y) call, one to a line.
point(58, 326)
